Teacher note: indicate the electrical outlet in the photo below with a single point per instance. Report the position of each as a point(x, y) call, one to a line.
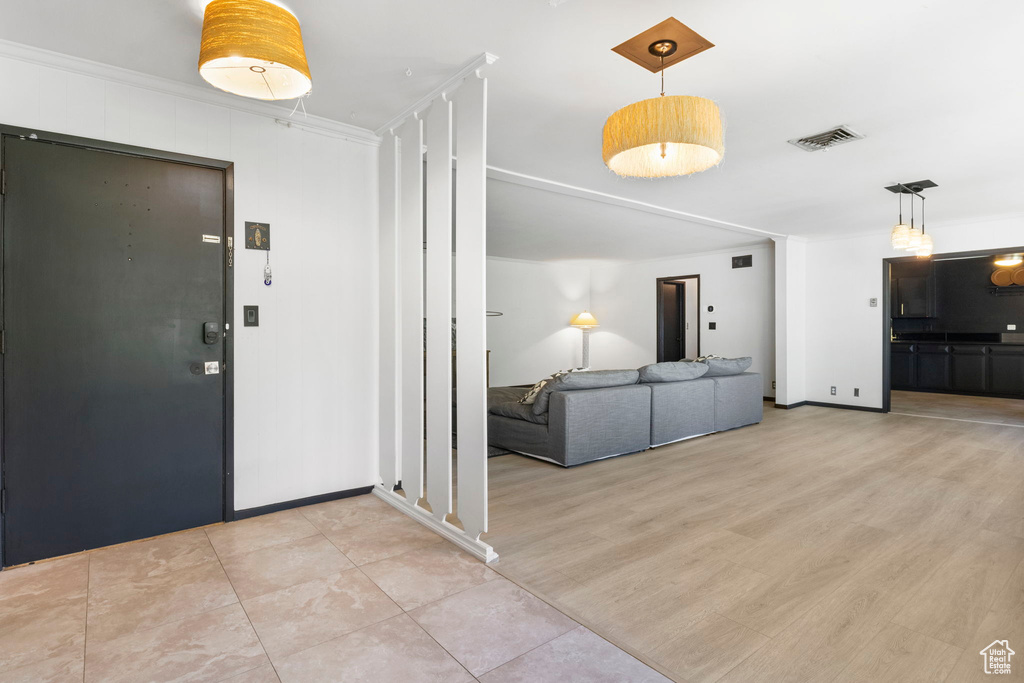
point(873, 302)
point(833, 391)
point(773, 384)
point(856, 391)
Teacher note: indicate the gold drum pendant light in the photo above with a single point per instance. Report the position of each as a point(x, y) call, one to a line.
point(664, 136)
point(253, 48)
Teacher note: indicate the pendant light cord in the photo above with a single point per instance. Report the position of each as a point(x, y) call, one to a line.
point(901, 206)
point(663, 74)
point(922, 214)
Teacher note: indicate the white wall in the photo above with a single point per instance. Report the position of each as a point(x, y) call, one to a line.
point(305, 380)
point(533, 338)
point(844, 334)
point(624, 299)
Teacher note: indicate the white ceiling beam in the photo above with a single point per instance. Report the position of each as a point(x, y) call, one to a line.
point(507, 176)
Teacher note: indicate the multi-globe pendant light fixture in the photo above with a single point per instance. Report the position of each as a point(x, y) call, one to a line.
point(666, 135)
point(911, 237)
point(253, 48)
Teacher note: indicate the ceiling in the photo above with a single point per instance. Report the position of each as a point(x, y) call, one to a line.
point(934, 85)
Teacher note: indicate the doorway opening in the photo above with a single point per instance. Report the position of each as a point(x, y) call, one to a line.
point(117, 344)
point(953, 336)
point(678, 327)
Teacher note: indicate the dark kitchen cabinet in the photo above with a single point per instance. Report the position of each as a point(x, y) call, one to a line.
point(968, 371)
point(976, 369)
point(903, 366)
point(933, 364)
point(1006, 370)
point(912, 290)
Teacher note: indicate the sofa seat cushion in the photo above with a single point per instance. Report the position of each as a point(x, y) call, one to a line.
point(721, 367)
point(679, 371)
point(591, 379)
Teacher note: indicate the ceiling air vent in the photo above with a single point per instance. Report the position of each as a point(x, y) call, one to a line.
point(827, 140)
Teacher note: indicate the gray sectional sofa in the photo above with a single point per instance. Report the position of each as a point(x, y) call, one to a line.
point(592, 415)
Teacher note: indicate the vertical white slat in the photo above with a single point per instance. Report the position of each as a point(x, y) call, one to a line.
point(411, 288)
point(471, 302)
point(439, 307)
point(390, 420)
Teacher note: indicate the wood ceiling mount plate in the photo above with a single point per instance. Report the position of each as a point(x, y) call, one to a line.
point(688, 41)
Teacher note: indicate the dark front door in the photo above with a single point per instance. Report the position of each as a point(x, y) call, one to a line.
point(672, 319)
point(113, 424)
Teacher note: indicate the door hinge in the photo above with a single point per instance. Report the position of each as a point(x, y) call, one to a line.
point(3, 181)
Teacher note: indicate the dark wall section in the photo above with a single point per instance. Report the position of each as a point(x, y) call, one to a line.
point(964, 301)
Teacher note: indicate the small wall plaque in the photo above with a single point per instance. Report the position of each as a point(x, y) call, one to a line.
point(743, 261)
point(257, 236)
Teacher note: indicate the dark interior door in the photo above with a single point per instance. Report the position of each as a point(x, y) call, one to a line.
point(672, 319)
point(112, 428)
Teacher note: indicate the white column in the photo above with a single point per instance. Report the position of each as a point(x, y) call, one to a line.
point(390, 313)
point(471, 303)
point(411, 288)
point(439, 307)
point(790, 320)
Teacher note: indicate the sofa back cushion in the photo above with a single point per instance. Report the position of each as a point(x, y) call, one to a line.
point(592, 379)
point(678, 371)
point(718, 367)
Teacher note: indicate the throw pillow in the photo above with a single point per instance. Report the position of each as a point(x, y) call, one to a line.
point(718, 367)
point(672, 372)
point(531, 395)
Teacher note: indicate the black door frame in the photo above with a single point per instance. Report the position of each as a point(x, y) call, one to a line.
point(887, 307)
point(660, 318)
point(227, 168)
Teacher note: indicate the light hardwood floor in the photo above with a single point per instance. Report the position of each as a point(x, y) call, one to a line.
point(820, 545)
point(956, 407)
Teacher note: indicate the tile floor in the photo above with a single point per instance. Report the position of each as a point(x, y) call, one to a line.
point(350, 590)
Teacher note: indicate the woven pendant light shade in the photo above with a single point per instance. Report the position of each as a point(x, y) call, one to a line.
point(253, 48)
point(664, 136)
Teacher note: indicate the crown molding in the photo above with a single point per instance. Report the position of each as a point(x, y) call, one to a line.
point(507, 176)
point(453, 82)
point(116, 74)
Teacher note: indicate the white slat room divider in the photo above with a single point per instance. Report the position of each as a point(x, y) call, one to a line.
point(390, 320)
point(454, 115)
point(471, 301)
point(410, 288)
point(439, 307)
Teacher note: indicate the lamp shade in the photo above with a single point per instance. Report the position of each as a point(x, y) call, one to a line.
point(927, 246)
point(584, 321)
point(664, 136)
point(914, 239)
point(253, 48)
point(1007, 260)
point(900, 236)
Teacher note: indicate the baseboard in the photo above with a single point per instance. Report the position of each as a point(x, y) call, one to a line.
point(301, 502)
point(474, 547)
point(840, 406)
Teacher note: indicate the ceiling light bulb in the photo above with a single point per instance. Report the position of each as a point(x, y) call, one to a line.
point(1009, 260)
point(900, 236)
point(925, 248)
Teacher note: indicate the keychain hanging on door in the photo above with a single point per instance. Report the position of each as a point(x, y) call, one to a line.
point(266, 271)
